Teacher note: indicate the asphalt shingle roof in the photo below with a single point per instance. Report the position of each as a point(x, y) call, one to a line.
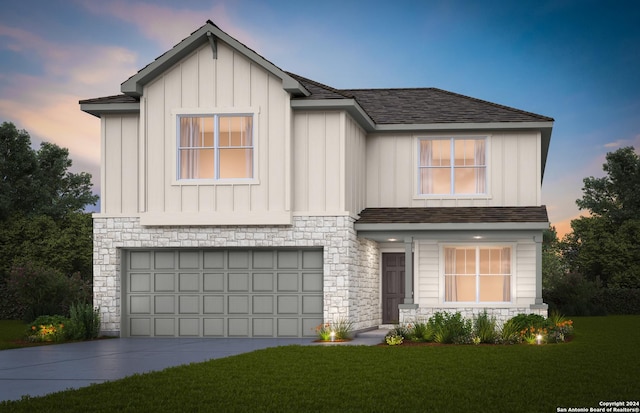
point(453, 215)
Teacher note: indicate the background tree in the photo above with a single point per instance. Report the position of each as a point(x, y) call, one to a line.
point(606, 244)
point(553, 267)
point(38, 182)
point(44, 232)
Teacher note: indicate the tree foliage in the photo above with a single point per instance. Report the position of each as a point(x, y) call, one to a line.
point(38, 182)
point(606, 244)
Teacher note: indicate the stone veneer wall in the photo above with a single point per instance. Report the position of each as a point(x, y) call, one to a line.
point(351, 281)
point(501, 314)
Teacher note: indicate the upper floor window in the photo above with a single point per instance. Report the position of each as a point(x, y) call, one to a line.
point(477, 274)
point(452, 166)
point(215, 146)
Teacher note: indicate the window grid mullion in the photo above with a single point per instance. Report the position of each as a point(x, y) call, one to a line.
point(452, 161)
point(216, 146)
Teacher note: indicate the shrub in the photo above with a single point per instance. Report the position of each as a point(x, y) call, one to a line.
point(618, 301)
point(574, 295)
point(84, 322)
point(422, 331)
point(48, 328)
point(43, 291)
point(341, 329)
point(393, 339)
point(450, 328)
point(484, 328)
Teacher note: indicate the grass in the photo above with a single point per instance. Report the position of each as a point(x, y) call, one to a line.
point(10, 331)
point(600, 364)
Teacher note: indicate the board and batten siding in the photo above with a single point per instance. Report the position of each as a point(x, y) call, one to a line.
point(429, 281)
point(230, 83)
point(513, 167)
point(119, 172)
point(328, 164)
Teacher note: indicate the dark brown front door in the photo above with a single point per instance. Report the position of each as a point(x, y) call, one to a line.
point(392, 286)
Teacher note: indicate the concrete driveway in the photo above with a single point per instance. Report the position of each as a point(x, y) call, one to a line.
point(37, 371)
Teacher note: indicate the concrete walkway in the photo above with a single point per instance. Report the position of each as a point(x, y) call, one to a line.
point(37, 371)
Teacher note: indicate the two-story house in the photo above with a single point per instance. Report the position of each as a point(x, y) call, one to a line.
point(239, 199)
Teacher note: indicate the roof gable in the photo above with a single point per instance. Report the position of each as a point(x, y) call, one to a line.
point(209, 32)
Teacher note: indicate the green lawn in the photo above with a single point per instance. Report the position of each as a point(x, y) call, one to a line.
point(11, 330)
point(600, 364)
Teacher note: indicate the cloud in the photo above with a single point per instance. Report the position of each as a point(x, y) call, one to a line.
point(168, 25)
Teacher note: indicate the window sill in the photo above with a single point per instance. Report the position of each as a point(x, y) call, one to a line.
point(214, 182)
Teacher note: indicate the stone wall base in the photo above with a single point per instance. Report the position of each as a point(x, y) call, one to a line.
point(408, 315)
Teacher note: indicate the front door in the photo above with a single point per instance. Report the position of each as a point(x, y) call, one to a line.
point(392, 286)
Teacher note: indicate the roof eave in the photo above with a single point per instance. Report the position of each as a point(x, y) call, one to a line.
point(134, 86)
point(99, 109)
point(469, 226)
point(349, 105)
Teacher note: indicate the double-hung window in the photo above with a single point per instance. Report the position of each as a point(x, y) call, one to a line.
point(215, 146)
point(452, 166)
point(477, 274)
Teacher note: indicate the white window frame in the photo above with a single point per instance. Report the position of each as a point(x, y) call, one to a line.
point(216, 113)
point(477, 302)
point(451, 193)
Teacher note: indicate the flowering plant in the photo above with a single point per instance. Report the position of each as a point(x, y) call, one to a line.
point(393, 339)
point(48, 328)
point(341, 330)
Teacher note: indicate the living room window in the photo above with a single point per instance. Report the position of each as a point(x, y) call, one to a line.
point(477, 274)
point(215, 146)
point(452, 166)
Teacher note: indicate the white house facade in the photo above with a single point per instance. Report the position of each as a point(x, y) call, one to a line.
point(240, 200)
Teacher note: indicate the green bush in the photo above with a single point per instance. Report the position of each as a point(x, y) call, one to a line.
point(574, 295)
point(618, 301)
point(85, 322)
point(43, 291)
point(422, 331)
point(450, 328)
point(484, 328)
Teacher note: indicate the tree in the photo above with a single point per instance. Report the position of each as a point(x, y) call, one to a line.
point(553, 267)
point(606, 244)
point(38, 182)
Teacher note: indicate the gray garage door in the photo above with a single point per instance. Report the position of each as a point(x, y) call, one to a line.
point(222, 293)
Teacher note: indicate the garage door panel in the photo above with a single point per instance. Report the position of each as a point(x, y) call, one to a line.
point(140, 327)
point(164, 282)
point(287, 304)
point(238, 327)
point(311, 304)
point(238, 304)
point(312, 282)
point(239, 259)
point(214, 260)
point(238, 282)
point(164, 304)
point(288, 327)
point(188, 304)
point(189, 282)
point(213, 281)
point(213, 304)
point(189, 327)
point(312, 260)
point(164, 260)
point(140, 304)
point(288, 259)
point(213, 327)
point(140, 282)
point(262, 282)
point(140, 260)
point(189, 260)
point(262, 327)
point(288, 282)
point(263, 260)
point(165, 327)
point(222, 293)
point(262, 304)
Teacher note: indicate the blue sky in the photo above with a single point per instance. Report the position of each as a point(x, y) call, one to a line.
point(577, 61)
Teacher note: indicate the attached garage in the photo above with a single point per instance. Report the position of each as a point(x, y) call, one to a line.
point(221, 292)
